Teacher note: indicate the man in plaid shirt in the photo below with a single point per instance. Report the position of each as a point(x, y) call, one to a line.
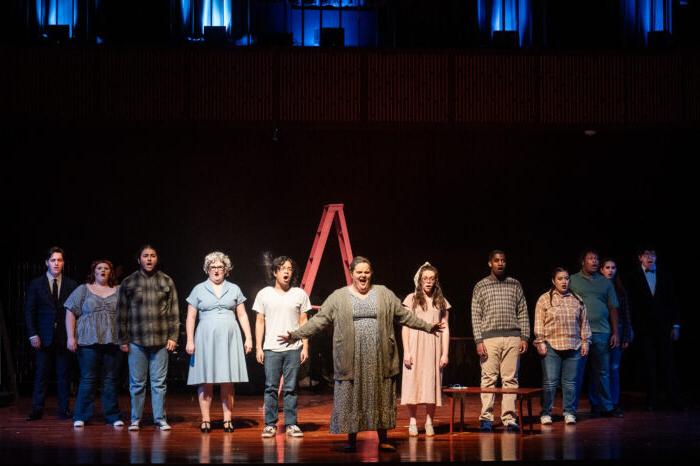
point(501, 333)
point(149, 319)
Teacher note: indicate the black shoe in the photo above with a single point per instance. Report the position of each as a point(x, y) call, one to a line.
point(613, 413)
point(64, 414)
point(486, 426)
point(205, 427)
point(349, 448)
point(35, 415)
point(617, 412)
point(386, 446)
point(512, 427)
point(228, 426)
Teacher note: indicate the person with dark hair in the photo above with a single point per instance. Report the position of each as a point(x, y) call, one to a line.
point(216, 348)
point(92, 311)
point(282, 306)
point(45, 318)
point(562, 337)
point(624, 329)
point(365, 356)
point(598, 294)
point(501, 333)
point(424, 354)
point(149, 319)
point(653, 300)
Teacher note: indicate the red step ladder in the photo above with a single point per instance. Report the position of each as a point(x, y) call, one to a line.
point(332, 213)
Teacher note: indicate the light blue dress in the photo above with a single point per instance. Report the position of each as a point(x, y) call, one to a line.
point(219, 356)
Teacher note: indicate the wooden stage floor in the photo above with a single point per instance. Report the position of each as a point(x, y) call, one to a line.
point(649, 436)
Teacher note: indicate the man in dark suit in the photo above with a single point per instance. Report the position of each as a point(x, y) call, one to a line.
point(46, 327)
point(657, 325)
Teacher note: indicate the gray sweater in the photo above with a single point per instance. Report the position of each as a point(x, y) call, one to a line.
point(337, 310)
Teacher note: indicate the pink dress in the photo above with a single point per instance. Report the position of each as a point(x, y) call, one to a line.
point(422, 383)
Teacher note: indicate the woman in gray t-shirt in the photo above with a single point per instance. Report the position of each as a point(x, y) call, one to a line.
point(92, 328)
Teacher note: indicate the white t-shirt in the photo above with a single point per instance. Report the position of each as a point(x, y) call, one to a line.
point(281, 311)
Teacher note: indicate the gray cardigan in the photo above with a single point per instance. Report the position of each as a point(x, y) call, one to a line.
point(337, 309)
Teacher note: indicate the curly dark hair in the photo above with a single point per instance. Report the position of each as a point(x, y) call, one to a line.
point(273, 265)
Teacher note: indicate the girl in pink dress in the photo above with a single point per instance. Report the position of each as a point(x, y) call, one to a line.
point(424, 355)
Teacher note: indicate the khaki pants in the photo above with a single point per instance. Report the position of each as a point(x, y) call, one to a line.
point(503, 359)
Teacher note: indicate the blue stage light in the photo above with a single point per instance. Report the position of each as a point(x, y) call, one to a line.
point(506, 16)
point(57, 13)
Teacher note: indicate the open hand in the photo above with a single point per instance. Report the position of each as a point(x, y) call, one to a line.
point(285, 339)
point(437, 328)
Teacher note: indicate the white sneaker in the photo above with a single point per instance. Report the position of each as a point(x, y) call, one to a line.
point(293, 430)
point(269, 431)
point(163, 425)
point(135, 425)
point(545, 420)
point(429, 431)
point(569, 419)
point(118, 423)
point(413, 430)
point(79, 424)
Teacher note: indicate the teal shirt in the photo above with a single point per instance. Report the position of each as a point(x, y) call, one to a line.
point(598, 294)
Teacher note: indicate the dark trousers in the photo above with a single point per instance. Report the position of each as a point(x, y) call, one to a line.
point(657, 369)
point(45, 358)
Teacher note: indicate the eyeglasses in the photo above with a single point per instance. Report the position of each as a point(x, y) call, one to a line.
point(216, 267)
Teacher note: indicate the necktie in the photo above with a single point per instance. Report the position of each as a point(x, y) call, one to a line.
point(54, 291)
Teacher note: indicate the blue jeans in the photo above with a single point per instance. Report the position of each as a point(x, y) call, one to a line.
point(278, 363)
point(90, 358)
point(144, 360)
point(615, 358)
point(559, 366)
point(599, 376)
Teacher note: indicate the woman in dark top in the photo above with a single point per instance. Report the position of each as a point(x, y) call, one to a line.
point(608, 268)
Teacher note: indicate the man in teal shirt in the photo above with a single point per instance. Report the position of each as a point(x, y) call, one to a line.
point(598, 294)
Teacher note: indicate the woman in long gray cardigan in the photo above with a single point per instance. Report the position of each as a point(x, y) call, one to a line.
point(365, 355)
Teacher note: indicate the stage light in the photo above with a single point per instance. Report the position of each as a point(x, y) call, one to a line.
point(659, 39)
point(505, 23)
point(505, 39)
point(57, 33)
point(215, 34)
point(332, 37)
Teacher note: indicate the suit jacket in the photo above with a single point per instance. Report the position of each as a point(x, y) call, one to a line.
point(45, 317)
point(652, 314)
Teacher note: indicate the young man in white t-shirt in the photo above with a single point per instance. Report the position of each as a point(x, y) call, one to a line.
point(281, 308)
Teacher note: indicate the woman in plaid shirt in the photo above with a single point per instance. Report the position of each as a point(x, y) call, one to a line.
point(562, 336)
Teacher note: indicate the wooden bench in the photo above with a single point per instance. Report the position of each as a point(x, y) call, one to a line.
point(521, 395)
